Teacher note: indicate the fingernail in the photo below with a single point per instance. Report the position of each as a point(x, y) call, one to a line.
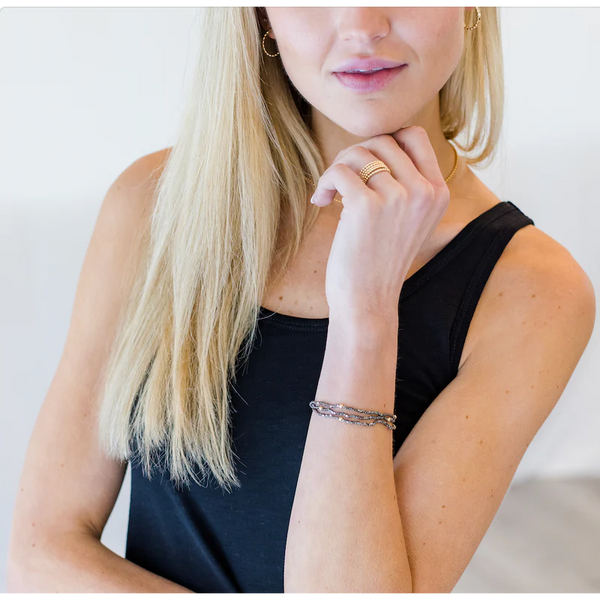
point(312, 199)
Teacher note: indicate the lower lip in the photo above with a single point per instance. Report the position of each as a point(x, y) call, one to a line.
point(369, 82)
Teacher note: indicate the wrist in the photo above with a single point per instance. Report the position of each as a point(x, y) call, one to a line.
point(364, 327)
point(362, 319)
point(360, 362)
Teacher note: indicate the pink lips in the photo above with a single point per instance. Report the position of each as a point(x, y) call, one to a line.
point(369, 82)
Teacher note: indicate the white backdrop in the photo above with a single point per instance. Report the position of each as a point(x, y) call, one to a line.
point(86, 91)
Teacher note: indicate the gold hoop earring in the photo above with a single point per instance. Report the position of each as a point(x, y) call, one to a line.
point(263, 45)
point(476, 22)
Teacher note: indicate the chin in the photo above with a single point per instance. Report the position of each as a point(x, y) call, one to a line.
point(368, 128)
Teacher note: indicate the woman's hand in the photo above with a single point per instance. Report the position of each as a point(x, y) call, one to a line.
point(383, 223)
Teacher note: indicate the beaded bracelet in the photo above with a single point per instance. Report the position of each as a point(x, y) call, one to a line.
point(386, 419)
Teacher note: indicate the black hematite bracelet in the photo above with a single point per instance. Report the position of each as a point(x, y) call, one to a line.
point(386, 419)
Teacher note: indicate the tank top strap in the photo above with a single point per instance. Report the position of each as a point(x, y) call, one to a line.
point(485, 247)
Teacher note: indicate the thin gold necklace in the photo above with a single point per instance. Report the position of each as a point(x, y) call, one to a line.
point(447, 179)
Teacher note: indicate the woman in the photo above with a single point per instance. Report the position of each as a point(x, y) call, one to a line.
point(221, 320)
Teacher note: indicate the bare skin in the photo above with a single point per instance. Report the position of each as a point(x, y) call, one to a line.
point(301, 292)
point(532, 322)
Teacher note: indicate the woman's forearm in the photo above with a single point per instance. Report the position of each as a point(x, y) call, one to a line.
point(81, 563)
point(345, 532)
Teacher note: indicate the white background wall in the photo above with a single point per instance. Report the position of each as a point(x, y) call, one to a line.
point(85, 92)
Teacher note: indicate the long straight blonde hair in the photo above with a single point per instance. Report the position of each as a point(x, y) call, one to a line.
point(233, 178)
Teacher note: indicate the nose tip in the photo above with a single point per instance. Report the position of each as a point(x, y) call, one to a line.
point(363, 25)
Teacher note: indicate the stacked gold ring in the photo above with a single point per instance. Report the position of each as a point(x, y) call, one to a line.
point(370, 169)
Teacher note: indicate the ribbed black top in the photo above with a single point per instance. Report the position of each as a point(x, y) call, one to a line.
point(213, 541)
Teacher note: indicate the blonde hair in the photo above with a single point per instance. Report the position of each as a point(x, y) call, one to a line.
point(233, 178)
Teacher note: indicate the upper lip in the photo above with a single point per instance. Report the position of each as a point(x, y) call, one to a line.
point(366, 64)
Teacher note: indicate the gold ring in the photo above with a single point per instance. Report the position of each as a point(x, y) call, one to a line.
point(370, 169)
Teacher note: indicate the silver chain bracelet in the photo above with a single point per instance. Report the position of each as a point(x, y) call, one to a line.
point(387, 419)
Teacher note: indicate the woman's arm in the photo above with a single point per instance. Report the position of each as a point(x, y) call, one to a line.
point(452, 472)
point(68, 486)
point(79, 562)
point(345, 532)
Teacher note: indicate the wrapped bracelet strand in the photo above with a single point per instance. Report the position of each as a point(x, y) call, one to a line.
point(373, 416)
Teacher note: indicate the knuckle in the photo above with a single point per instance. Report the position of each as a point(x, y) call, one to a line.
point(341, 153)
point(418, 130)
point(424, 190)
point(362, 153)
point(398, 194)
point(386, 142)
point(337, 169)
point(443, 193)
point(355, 154)
point(368, 199)
point(413, 131)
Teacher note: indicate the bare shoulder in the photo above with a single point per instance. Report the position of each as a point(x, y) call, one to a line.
point(153, 162)
point(536, 279)
point(129, 201)
point(139, 179)
point(530, 253)
point(533, 258)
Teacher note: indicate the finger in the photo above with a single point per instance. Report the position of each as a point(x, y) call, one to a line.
point(402, 168)
point(415, 142)
point(383, 183)
point(339, 177)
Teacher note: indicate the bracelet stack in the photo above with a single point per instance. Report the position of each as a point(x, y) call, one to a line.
point(324, 409)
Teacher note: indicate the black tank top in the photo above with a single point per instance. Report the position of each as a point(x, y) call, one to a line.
point(209, 540)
